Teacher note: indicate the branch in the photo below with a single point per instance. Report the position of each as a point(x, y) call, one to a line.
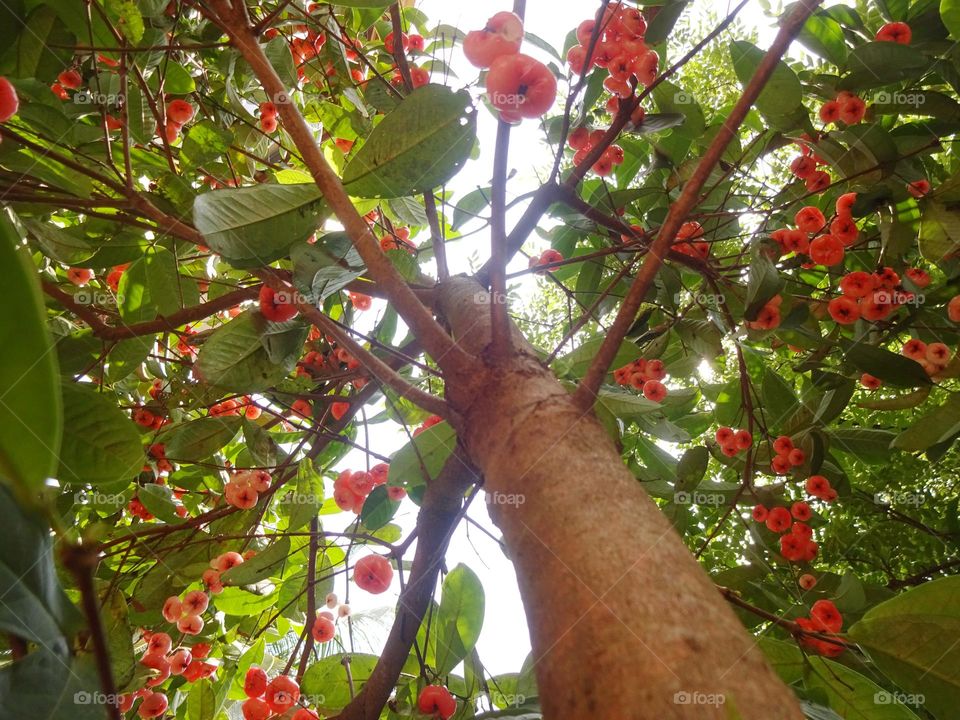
point(434, 339)
point(311, 597)
point(586, 393)
point(438, 517)
point(500, 344)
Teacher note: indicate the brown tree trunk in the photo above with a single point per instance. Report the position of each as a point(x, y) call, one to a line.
point(623, 621)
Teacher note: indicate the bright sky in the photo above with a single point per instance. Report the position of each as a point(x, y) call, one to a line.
point(504, 642)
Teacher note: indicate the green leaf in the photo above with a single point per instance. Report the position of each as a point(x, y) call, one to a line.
point(950, 14)
point(201, 701)
point(914, 638)
point(177, 81)
point(874, 64)
point(939, 232)
point(890, 367)
point(433, 446)
point(204, 142)
point(279, 55)
point(234, 601)
point(378, 509)
point(256, 225)
point(308, 496)
point(691, 468)
point(158, 499)
point(234, 358)
point(470, 206)
point(53, 686)
point(119, 635)
point(935, 427)
point(326, 267)
point(168, 290)
point(867, 444)
point(327, 679)
point(59, 244)
point(460, 618)
point(901, 402)
point(100, 443)
point(34, 606)
point(763, 283)
point(779, 400)
point(31, 411)
point(824, 36)
point(126, 18)
point(781, 95)
point(199, 439)
point(416, 147)
point(266, 563)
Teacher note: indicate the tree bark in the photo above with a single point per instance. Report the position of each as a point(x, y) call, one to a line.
point(623, 621)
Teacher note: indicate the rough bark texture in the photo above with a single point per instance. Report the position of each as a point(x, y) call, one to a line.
point(623, 621)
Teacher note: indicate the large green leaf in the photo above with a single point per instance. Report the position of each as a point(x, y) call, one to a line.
point(100, 443)
point(235, 601)
point(914, 639)
point(256, 225)
point(950, 14)
point(460, 618)
point(34, 606)
point(31, 412)
point(326, 267)
point(328, 680)
point(939, 425)
point(874, 64)
point(426, 453)
point(781, 95)
point(201, 701)
point(53, 687)
point(890, 367)
point(199, 439)
point(234, 358)
point(266, 563)
point(419, 145)
point(119, 635)
point(168, 289)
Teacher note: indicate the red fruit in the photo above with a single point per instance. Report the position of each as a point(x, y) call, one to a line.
point(844, 229)
point(180, 111)
point(759, 513)
point(803, 166)
point(801, 511)
point(802, 529)
point(227, 560)
point(200, 650)
point(282, 693)
point(796, 457)
point(914, 349)
point(79, 276)
point(827, 614)
point(154, 705)
point(195, 602)
point(180, 661)
point(845, 203)
point(844, 310)
point(172, 609)
point(807, 581)
point(654, 390)
point(389, 45)
point(920, 278)
point(579, 138)
point(373, 573)
point(724, 435)
point(323, 630)
point(778, 519)
point(339, 409)
point(780, 465)
point(826, 250)
point(898, 32)
point(791, 547)
point(818, 181)
point(817, 485)
point(852, 110)
point(857, 284)
point(361, 301)
point(810, 219)
point(437, 701)
point(918, 188)
point(9, 102)
point(70, 79)
point(782, 445)
point(255, 709)
point(277, 307)
point(870, 382)
point(550, 256)
point(190, 624)
point(416, 42)
point(268, 109)
point(743, 439)
point(269, 124)
point(361, 483)
point(502, 36)
point(160, 644)
point(830, 112)
point(520, 86)
point(302, 408)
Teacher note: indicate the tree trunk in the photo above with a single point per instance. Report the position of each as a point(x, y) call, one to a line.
point(623, 621)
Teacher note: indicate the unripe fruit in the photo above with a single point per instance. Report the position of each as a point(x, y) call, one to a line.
point(373, 573)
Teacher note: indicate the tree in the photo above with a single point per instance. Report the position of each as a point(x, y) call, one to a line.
point(697, 463)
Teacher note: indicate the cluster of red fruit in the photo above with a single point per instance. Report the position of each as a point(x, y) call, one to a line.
point(220, 564)
point(824, 618)
point(428, 423)
point(373, 573)
point(933, 357)
point(684, 242)
point(158, 452)
point(733, 442)
point(582, 141)
point(267, 697)
point(786, 455)
point(845, 107)
point(179, 113)
point(619, 48)
point(268, 117)
point(236, 406)
point(805, 167)
point(796, 542)
point(437, 702)
point(398, 239)
point(243, 489)
point(185, 662)
point(872, 296)
point(518, 86)
point(644, 375)
point(186, 612)
point(151, 419)
point(351, 488)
